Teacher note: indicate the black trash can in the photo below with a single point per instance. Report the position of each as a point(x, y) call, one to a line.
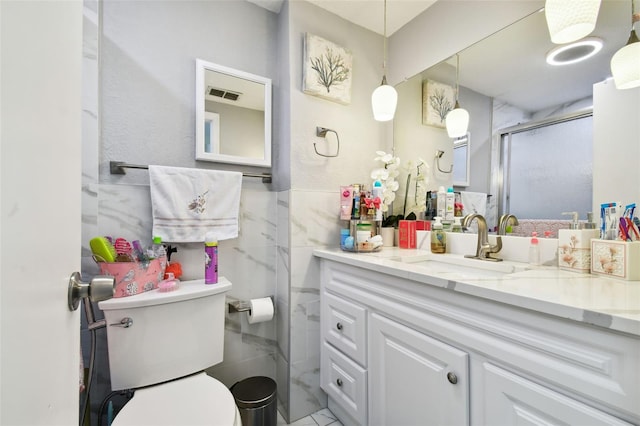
point(256, 401)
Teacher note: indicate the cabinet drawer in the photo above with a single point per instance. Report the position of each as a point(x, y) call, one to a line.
point(345, 382)
point(344, 326)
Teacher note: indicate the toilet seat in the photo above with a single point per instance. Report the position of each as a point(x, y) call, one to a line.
point(193, 400)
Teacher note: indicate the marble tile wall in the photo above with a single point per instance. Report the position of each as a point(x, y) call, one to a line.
point(313, 223)
point(249, 262)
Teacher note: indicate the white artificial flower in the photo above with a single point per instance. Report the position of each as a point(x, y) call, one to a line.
point(380, 174)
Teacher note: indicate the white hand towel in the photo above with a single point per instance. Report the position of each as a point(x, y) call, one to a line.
point(187, 203)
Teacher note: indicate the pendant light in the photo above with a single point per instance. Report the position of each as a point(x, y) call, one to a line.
point(457, 120)
point(385, 98)
point(625, 64)
point(571, 20)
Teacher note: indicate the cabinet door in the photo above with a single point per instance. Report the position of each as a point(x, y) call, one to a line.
point(415, 379)
point(510, 399)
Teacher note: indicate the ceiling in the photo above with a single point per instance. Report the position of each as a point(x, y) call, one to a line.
point(509, 65)
point(366, 13)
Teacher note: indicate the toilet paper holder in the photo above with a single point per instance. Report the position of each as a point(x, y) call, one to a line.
point(240, 305)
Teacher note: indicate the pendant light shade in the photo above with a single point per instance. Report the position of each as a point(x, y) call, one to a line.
point(384, 101)
point(385, 98)
point(571, 20)
point(625, 64)
point(457, 120)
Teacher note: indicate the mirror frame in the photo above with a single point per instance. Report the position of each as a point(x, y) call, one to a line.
point(202, 67)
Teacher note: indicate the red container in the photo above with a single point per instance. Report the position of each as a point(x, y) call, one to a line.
point(407, 234)
point(423, 225)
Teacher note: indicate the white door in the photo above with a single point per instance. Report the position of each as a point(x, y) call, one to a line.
point(415, 379)
point(40, 179)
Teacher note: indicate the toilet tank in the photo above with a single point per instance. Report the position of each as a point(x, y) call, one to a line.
point(172, 334)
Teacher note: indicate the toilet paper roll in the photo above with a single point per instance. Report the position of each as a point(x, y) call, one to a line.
point(261, 310)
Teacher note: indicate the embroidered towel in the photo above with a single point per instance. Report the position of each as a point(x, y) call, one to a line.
point(187, 203)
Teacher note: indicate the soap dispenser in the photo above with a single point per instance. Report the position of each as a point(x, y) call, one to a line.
point(457, 226)
point(438, 237)
point(574, 219)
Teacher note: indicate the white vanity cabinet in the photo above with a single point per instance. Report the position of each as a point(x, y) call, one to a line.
point(400, 352)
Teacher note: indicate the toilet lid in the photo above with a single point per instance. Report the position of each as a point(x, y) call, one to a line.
point(193, 400)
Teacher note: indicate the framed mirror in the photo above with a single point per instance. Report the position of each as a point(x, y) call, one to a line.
point(505, 81)
point(233, 116)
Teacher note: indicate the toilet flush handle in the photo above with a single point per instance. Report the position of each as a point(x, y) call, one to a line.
point(125, 322)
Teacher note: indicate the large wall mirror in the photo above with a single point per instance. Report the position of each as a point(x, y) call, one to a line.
point(233, 116)
point(506, 82)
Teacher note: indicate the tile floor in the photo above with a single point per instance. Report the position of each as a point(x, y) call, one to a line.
point(323, 417)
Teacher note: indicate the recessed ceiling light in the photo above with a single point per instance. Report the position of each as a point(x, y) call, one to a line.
point(574, 52)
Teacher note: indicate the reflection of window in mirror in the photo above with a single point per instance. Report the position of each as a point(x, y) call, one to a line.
point(548, 168)
point(461, 160)
point(211, 132)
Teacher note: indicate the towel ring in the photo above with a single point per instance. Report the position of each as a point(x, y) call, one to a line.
point(321, 132)
point(438, 156)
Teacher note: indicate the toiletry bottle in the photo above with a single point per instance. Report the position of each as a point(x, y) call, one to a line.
point(355, 211)
point(534, 250)
point(377, 193)
point(457, 226)
point(344, 233)
point(438, 237)
point(157, 249)
point(210, 258)
point(449, 204)
point(441, 200)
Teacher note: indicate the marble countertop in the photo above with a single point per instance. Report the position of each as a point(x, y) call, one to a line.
point(600, 301)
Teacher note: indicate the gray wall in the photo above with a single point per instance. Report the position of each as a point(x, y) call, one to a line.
point(148, 54)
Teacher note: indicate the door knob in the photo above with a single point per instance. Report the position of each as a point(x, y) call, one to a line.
point(453, 379)
point(339, 326)
point(101, 287)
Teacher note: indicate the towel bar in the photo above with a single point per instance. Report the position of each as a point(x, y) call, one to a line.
point(117, 168)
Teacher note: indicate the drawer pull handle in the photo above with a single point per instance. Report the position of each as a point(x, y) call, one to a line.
point(339, 382)
point(339, 326)
point(453, 379)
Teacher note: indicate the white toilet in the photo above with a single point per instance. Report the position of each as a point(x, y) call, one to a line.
point(159, 344)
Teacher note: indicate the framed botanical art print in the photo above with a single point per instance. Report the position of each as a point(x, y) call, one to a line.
point(327, 70)
point(437, 100)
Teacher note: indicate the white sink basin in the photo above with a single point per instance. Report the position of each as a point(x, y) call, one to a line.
point(460, 267)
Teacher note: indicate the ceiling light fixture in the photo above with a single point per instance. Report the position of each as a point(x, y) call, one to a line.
point(574, 52)
point(625, 64)
point(457, 120)
point(571, 20)
point(385, 98)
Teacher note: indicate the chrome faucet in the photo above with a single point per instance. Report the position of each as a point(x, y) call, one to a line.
point(484, 250)
point(504, 222)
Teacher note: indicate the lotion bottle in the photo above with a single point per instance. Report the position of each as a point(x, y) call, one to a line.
point(534, 250)
point(449, 204)
point(441, 203)
point(210, 258)
point(438, 237)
